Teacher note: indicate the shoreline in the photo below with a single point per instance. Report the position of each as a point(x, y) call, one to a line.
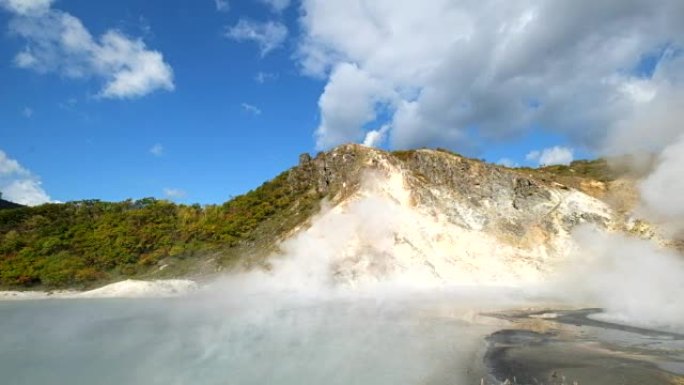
point(567, 346)
point(129, 288)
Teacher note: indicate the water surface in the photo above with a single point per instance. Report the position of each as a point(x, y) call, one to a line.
point(250, 341)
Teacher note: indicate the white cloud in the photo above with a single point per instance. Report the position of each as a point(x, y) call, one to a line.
point(18, 184)
point(268, 35)
point(27, 112)
point(222, 5)
point(493, 67)
point(9, 166)
point(58, 42)
point(174, 193)
point(277, 5)
point(507, 162)
point(263, 77)
point(135, 70)
point(251, 109)
point(375, 138)
point(533, 156)
point(25, 191)
point(551, 156)
point(68, 104)
point(157, 150)
point(347, 103)
point(26, 60)
point(26, 7)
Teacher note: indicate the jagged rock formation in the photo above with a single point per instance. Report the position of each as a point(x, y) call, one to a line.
point(433, 216)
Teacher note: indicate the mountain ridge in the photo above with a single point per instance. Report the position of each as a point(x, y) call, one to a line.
point(5, 204)
point(87, 243)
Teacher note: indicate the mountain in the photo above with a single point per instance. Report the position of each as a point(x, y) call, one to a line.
point(432, 217)
point(429, 215)
point(8, 205)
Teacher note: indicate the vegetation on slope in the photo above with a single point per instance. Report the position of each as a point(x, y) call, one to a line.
point(597, 169)
point(78, 244)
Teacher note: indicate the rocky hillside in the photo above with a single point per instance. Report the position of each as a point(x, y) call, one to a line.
point(431, 214)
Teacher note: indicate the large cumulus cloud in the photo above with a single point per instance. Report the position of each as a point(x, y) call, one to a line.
point(460, 73)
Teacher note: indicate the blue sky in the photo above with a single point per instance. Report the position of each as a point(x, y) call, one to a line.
point(238, 91)
point(85, 147)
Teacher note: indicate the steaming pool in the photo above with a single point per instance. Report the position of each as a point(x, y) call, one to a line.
point(183, 341)
point(283, 340)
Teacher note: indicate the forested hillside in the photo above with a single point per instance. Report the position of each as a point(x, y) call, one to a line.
point(76, 244)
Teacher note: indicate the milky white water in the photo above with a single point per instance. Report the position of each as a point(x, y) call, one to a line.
point(256, 339)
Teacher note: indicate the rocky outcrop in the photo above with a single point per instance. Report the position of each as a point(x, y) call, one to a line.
point(440, 215)
point(505, 197)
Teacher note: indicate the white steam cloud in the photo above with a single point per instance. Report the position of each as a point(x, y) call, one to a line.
point(662, 192)
point(634, 280)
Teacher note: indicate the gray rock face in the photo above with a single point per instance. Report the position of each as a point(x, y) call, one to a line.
point(473, 194)
point(439, 215)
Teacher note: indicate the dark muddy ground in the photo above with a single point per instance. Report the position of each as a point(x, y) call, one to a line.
point(567, 347)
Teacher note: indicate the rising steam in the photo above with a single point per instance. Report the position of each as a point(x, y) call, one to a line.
point(637, 280)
